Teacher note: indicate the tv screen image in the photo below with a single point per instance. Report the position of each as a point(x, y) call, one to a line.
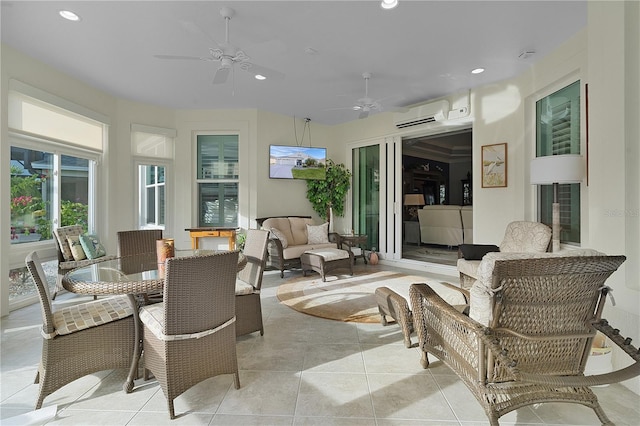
point(297, 162)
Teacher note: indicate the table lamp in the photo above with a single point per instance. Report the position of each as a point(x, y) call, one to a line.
point(413, 201)
point(554, 170)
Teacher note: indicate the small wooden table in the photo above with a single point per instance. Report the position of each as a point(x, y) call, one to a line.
point(196, 233)
point(353, 240)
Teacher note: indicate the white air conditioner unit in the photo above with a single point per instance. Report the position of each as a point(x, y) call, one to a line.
point(428, 113)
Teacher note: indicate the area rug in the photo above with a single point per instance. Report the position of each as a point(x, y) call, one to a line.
point(343, 297)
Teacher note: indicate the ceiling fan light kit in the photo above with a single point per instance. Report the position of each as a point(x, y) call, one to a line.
point(388, 4)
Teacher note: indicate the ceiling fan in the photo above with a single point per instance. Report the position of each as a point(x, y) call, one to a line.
point(366, 104)
point(228, 55)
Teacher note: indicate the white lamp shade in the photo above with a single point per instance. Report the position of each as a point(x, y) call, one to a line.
point(550, 169)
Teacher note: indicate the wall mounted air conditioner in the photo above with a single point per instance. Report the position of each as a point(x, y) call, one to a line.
point(427, 113)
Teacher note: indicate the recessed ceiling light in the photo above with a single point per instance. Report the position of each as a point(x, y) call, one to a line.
point(388, 4)
point(69, 15)
point(477, 71)
point(260, 77)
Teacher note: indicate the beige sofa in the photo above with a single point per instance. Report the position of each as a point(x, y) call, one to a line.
point(443, 225)
point(289, 238)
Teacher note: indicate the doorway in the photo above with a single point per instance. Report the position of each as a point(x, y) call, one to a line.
point(436, 170)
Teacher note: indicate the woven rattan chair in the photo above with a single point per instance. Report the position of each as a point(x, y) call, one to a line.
point(191, 335)
point(248, 283)
point(142, 243)
point(80, 339)
point(535, 346)
point(65, 258)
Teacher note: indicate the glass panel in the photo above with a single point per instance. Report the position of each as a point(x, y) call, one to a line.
point(31, 195)
point(557, 133)
point(74, 191)
point(217, 157)
point(366, 193)
point(218, 204)
point(152, 196)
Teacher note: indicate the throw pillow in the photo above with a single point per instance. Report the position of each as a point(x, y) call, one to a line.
point(318, 234)
point(476, 251)
point(279, 235)
point(76, 247)
point(92, 246)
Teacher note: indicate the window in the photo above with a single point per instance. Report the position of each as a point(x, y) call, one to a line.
point(558, 132)
point(54, 149)
point(217, 180)
point(153, 148)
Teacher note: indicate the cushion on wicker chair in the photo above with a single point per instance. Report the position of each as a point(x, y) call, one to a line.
point(244, 288)
point(76, 247)
point(86, 315)
point(92, 246)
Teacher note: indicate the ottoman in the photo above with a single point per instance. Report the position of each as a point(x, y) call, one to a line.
point(395, 306)
point(326, 260)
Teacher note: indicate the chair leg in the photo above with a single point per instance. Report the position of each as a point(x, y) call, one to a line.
point(236, 380)
point(172, 412)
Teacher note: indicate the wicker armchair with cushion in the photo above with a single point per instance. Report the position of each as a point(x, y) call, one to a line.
point(191, 335)
point(248, 283)
point(519, 237)
point(71, 255)
point(529, 331)
point(80, 339)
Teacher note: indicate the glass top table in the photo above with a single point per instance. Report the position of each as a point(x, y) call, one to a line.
point(128, 275)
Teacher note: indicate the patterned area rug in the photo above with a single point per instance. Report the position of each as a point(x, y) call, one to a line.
point(344, 297)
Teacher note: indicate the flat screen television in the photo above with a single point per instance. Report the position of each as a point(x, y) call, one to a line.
point(297, 162)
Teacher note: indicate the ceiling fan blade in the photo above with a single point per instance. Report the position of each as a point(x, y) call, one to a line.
point(258, 69)
point(195, 58)
point(221, 75)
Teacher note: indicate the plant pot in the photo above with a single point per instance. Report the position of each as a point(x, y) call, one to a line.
point(25, 238)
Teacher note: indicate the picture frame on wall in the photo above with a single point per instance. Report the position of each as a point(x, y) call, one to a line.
point(494, 165)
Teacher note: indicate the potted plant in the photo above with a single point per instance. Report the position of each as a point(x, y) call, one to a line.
point(329, 194)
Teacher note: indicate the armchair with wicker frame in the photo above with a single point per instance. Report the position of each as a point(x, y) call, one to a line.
point(532, 343)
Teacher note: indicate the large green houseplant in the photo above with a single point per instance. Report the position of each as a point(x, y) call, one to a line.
point(330, 193)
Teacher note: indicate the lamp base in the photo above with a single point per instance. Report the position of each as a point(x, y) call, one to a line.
point(555, 228)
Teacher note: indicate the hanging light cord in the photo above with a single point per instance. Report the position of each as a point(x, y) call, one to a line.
point(306, 128)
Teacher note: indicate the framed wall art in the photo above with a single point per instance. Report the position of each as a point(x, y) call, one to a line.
point(494, 165)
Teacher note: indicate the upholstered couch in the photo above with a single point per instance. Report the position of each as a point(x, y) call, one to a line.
point(291, 236)
point(443, 225)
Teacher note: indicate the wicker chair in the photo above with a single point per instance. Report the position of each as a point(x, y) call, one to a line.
point(248, 283)
point(65, 258)
point(142, 243)
point(80, 339)
point(191, 335)
point(534, 349)
point(519, 237)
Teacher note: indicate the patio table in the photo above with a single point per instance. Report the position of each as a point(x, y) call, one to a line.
point(113, 277)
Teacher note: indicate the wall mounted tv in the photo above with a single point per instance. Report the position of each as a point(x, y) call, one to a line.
point(297, 162)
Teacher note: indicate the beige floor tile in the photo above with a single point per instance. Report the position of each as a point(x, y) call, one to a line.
point(334, 358)
point(334, 395)
point(228, 420)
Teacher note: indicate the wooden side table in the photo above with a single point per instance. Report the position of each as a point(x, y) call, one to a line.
point(353, 240)
point(196, 233)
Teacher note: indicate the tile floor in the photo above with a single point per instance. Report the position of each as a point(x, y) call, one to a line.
point(303, 371)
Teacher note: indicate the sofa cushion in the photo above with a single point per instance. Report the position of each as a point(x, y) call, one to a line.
point(318, 234)
point(294, 252)
point(276, 233)
point(524, 236)
point(468, 267)
point(299, 230)
point(282, 224)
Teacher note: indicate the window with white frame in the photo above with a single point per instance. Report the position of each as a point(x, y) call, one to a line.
point(217, 180)
point(54, 151)
point(152, 147)
point(557, 133)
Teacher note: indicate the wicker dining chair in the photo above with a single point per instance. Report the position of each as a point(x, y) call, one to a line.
point(142, 244)
point(249, 282)
point(80, 339)
point(191, 335)
point(539, 334)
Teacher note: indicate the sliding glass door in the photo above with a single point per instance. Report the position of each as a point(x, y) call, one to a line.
point(366, 193)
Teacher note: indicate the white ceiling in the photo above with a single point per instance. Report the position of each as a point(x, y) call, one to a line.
point(419, 51)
